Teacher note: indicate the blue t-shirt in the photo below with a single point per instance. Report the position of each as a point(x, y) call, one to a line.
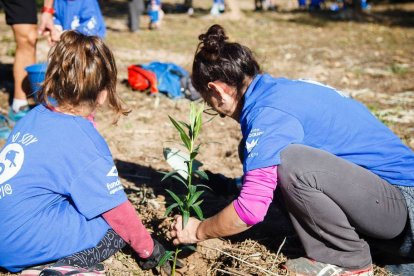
point(82, 15)
point(278, 112)
point(57, 177)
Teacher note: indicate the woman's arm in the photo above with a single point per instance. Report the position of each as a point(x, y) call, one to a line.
point(248, 209)
point(225, 223)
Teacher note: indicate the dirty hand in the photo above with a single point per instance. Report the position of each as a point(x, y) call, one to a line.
point(153, 260)
point(188, 235)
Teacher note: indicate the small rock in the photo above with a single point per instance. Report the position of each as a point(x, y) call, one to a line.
point(154, 203)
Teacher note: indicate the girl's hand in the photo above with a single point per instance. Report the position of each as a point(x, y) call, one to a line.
point(188, 235)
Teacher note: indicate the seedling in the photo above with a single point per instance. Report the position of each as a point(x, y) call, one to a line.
point(184, 172)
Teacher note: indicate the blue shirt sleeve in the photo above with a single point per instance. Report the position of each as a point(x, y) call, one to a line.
point(91, 21)
point(97, 189)
point(266, 133)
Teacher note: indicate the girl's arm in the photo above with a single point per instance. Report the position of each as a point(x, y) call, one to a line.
point(124, 220)
point(248, 209)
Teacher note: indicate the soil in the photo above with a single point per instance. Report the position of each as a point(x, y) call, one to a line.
point(368, 56)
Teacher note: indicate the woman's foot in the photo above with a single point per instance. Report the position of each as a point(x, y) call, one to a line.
point(307, 267)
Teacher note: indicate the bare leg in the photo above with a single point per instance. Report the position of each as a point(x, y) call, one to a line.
point(25, 36)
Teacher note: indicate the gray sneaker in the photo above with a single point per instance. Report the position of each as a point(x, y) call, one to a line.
point(307, 267)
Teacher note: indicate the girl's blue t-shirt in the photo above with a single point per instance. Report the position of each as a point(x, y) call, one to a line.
point(278, 112)
point(57, 177)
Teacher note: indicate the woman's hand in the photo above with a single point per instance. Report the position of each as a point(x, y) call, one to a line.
point(225, 223)
point(188, 235)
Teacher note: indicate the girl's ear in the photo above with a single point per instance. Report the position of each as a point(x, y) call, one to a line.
point(102, 97)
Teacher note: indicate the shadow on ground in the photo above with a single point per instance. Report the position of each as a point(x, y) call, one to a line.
point(271, 232)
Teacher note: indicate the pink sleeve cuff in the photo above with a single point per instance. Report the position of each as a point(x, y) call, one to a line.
point(256, 194)
point(124, 220)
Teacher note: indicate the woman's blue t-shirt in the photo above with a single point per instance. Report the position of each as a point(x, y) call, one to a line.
point(57, 177)
point(278, 112)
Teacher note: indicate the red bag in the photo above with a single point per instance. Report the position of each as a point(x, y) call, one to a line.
point(141, 79)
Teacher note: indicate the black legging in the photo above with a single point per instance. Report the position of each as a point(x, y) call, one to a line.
point(108, 246)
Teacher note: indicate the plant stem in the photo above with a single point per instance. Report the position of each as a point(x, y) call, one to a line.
point(177, 250)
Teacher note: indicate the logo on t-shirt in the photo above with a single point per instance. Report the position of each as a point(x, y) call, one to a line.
point(252, 143)
point(113, 172)
point(11, 161)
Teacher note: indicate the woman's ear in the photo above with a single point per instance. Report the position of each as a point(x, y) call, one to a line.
point(217, 87)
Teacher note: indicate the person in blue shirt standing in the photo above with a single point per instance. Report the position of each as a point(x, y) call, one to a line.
point(156, 14)
point(344, 175)
point(82, 16)
point(61, 199)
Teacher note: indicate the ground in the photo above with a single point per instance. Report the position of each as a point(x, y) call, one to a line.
point(369, 57)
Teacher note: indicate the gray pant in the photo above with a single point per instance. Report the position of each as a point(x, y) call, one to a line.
point(332, 201)
point(135, 9)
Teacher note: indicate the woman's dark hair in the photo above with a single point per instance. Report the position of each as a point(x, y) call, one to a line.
point(80, 67)
point(218, 59)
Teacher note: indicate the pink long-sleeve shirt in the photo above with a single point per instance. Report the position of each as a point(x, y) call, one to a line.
point(256, 194)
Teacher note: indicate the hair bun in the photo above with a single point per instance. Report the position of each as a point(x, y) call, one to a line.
point(214, 39)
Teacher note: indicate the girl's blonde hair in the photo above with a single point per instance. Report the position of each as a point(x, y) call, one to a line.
point(79, 68)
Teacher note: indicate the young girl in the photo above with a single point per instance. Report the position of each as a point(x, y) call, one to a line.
point(344, 175)
point(61, 199)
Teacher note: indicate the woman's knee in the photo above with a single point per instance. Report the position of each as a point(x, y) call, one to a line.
point(26, 35)
point(296, 161)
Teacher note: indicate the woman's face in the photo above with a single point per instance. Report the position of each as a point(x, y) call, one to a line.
point(223, 99)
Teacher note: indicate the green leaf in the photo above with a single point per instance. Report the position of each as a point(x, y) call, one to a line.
point(193, 154)
point(198, 211)
point(197, 148)
point(198, 124)
point(176, 124)
point(198, 202)
point(204, 186)
point(185, 124)
point(167, 175)
point(167, 256)
point(183, 134)
point(192, 189)
point(194, 197)
point(175, 197)
point(186, 216)
point(202, 174)
point(180, 179)
point(170, 208)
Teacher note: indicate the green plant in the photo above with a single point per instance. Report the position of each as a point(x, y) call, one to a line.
point(190, 202)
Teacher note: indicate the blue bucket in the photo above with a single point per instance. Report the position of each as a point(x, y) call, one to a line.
point(36, 74)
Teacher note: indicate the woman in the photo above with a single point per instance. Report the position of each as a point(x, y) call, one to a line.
point(342, 173)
